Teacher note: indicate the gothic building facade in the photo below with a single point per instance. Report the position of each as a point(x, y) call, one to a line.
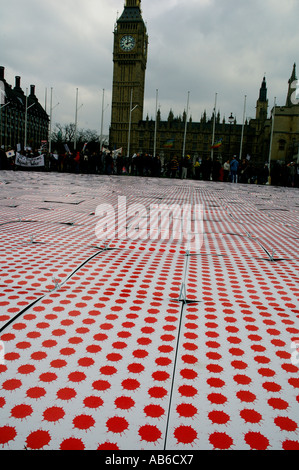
point(22, 118)
point(273, 137)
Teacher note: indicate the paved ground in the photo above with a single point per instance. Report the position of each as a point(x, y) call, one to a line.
point(103, 348)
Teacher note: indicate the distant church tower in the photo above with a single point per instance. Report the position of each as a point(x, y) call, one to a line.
point(129, 58)
point(262, 104)
point(292, 88)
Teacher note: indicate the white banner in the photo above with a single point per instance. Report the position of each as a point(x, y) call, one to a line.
point(30, 161)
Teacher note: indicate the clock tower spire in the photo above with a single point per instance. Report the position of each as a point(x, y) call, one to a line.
point(129, 66)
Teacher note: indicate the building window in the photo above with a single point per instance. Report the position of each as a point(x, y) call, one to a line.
point(281, 144)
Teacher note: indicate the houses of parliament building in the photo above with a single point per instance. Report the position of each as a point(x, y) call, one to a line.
point(263, 138)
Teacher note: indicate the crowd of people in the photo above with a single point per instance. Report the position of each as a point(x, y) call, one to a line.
point(114, 163)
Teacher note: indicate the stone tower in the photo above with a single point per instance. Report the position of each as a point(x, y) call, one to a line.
point(129, 66)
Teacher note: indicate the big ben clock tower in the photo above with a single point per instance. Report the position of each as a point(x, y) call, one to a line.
point(129, 58)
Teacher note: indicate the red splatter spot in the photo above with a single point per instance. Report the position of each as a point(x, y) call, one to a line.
point(72, 444)
point(285, 424)
point(135, 368)
point(242, 379)
point(187, 391)
point(271, 387)
point(48, 377)
point(246, 396)
point(149, 433)
point(215, 368)
point(154, 411)
point(185, 434)
point(124, 403)
point(21, 411)
point(76, 376)
point(294, 382)
point(186, 410)
point(217, 398)
point(101, 385)
point(108, 446)
point(214, 382)
point(114, 357)
point(189, 359)
point(165, 349)
point(117, 424)
point(239, 364)
point(188, 374)
point(66, 393)
point(160, 376)
point(93, 402)
point(290, 445)
point(108, 370)
point(85, 362)
point(157, 392)
point(67, 351)
point(2, 402)
point(7, 433)
point(256, 441)
point(38, 439)
point(266, 372)
point(290, 368)
point(26, 369)
point(83, 422)
point(218, 417)
point(130, 384)
point(58, 363)
point(250, 416)
point(220, 440)
point(278, 403)
point(53, 414)
point(119, 345)
point(163, 361)
point(12, 384)
point(93, 348)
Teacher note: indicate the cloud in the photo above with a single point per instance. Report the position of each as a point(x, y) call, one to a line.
point(201, 46)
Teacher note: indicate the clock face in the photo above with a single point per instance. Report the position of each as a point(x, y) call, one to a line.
point(127, 43)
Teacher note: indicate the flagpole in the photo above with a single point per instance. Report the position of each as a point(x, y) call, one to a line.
point(155, 138)
point(101, 138)
point(50, 126)
point(185, 133)
point(76, 119)
point(242, 136)
point(271, 141)
point(26, 113)
point(214, 125)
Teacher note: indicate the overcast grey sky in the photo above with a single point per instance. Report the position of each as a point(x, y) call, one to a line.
point(201, 46)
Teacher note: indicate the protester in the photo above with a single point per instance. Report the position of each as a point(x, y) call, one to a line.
point(234, 164)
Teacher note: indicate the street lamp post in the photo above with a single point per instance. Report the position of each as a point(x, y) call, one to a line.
point(26, 117)
point(230, 120)
point(50, 126)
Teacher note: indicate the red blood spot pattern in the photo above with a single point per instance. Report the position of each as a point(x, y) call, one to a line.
point(185, 435)
point(83, 422)
point(72, 444)
point(7, 433)
point(38, 440)
point(149, 433)
point(117, 424)
point(256, 441)
point(110, 359)
point(221, 441)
